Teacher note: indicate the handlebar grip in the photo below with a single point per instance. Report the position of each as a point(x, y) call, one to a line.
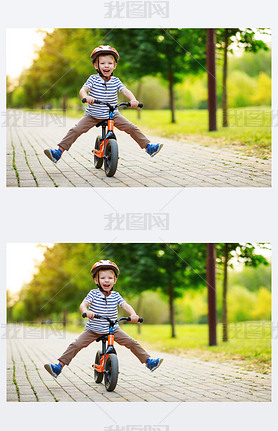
point(84, 100)
point(140, 105)
point(140, 320)
point(84, 315)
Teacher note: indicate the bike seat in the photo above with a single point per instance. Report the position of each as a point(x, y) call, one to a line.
point(103, 337)
point(102, 123)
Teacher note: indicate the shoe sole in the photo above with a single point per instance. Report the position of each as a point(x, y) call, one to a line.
point(159, 363)
point(49, 155)
point(152, 155)
point(49, 369)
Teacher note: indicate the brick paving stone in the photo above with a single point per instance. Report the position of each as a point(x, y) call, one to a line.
point(179, 379)
point(189, 165)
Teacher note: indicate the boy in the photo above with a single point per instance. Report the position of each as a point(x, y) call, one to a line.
point(103, 301)
point(104, 87)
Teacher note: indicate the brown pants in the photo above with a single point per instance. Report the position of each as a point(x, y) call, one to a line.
point(87, 122)
point(87, 337)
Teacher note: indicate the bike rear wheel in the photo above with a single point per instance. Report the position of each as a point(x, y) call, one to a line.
point(112, 371)
point(111, 157)
point(98, 376)
point(97, 161)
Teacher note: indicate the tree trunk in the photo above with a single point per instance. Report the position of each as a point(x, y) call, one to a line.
point(211, 72)
point(224, 86)
point(139, 310)
point(139, 97)
point(172, 313)
point(65, 314)
point(171, 94)
point(64, 103)
point(211, 285)
point(224, 299)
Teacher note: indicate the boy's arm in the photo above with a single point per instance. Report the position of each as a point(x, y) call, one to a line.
point(130, 96)
point(130, 311)
point(84, 309)
point(83, 93)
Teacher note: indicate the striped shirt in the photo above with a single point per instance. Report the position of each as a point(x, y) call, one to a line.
point(104, 305)
point(104, 91)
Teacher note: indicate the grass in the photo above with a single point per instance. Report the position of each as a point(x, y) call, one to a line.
point(249, 131)
point(249, 344)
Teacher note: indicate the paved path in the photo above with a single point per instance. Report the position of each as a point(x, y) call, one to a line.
point(177, 165)
point(178, 379)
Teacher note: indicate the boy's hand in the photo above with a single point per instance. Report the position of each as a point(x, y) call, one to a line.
point(134, 318)
point(90, 100)
point(90, 314)
point(134, 103)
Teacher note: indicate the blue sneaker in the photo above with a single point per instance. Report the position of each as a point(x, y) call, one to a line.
point(54, 370)
point(53, 155)
point(152, 149)
point(153, 364)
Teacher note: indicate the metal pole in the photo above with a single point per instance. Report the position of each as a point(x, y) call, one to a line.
point(212, 316)
point(212, 99)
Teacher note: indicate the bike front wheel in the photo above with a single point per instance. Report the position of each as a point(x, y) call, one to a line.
point(97, 160)
point(112, 371)
point(98, 376)
point(111, 157)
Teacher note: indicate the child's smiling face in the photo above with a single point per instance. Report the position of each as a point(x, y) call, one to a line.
point(106, 64)
point(106, 279)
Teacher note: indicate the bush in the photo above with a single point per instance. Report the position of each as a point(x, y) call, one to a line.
point(241, 89)
point(262, 94)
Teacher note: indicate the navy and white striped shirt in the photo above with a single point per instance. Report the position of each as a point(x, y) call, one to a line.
point(104, 91)
point(104, 305)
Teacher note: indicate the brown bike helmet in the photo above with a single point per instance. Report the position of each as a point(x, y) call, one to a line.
point(104, 264)
point(104, 49)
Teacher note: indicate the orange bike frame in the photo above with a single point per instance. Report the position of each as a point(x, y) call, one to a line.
point(100, 368)
point(100, 153)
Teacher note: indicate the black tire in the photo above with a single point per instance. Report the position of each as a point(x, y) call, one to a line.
point(98, 162)
point(112, 371)
point(98, 376)
point(111, 159)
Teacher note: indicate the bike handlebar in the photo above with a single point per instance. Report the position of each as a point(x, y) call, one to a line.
point(99, 102)
point(98, 316)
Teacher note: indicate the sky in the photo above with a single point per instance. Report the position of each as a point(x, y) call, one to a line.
point(21, 46)
point(21, 261)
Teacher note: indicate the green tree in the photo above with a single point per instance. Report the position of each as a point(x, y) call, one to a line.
point(168, 268)
point(170, 53)
point(228, 254)
point(228, 38)
point(60, 68)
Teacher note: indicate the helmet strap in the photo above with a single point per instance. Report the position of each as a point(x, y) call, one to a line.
point(103, 76)
point(103, 291)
